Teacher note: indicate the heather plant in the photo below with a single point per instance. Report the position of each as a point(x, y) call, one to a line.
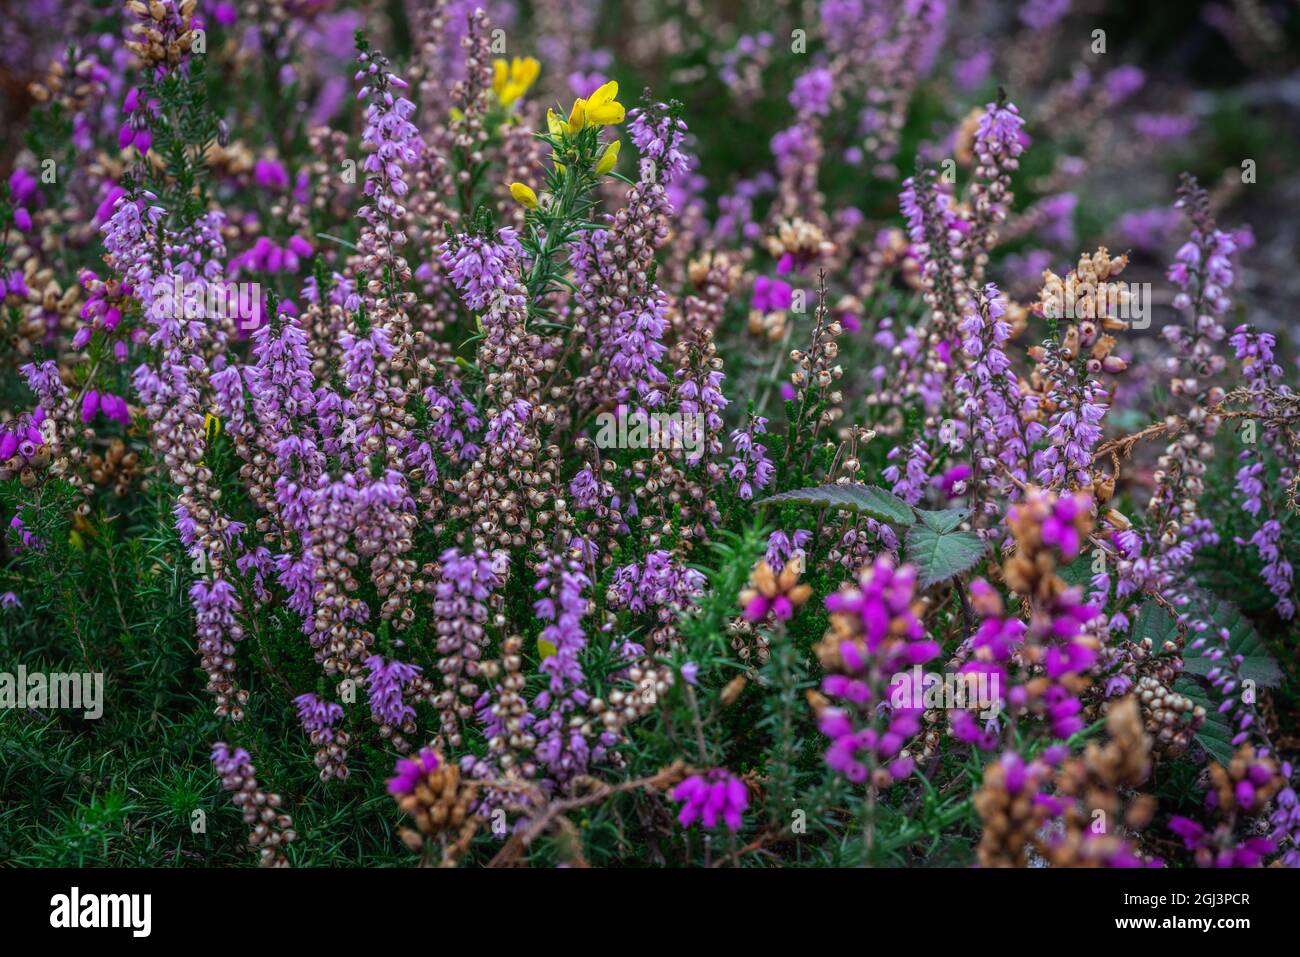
point(966, 535)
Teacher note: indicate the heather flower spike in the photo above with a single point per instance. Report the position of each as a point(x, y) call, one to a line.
point(788, 449)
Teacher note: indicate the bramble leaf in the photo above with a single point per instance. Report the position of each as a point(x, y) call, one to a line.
point(864, 499)
point(1215, 736)
point(1257, 664)
point(943, 521)
point(939, 556)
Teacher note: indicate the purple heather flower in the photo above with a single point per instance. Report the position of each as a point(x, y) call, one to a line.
point(1122, 82)
point(230, 763)
point(771, 295)
point(970, 72)
point(1163, 127)
point(384, 687)
point(271, 175)
point(812, 92)
point(410, 771)
point(660, 585)
point(716, 797)
point(1277, 572)
point(481, 268)
point(782, 547)
point(658, 136)
point(1039, 15)
point(750, 467)
point(318, 717)
point(561, 747)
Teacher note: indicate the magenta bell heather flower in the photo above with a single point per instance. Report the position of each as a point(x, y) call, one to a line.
point(1220, 848)
point(771, 295)
point(1059, 528)
point(410, 771)
point(270, 175)
point(875, 635)
point(716, 797)
point(1285, 820)
point(881, 600)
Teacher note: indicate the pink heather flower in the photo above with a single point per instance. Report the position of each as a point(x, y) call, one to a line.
point(953, 481)
point(750, 467)
point(709, 798)
point(225, 14)
point(318, 717)
point(660, 585)
point(866, 731)
point(1059, 528)
point(771, 295)
point(563, 750)
point(409, 771)
point(384, 687)
point(812, 92)
point(270, 174)
point(1039, 15)
point(1122, 82)
point(228, 763)
point(22, 186)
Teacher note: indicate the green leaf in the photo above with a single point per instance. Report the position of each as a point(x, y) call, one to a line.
point(1155, 623)
point(1257, 664)
point(865, 499)
point(943, 521)
point(1078, 572)
point(1216, 734)
point(939, 556)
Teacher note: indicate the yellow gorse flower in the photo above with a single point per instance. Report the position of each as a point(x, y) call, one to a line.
point(556, 126)
point(523, 195)
point(608, 158)
point(599, 109)
point(511, 81)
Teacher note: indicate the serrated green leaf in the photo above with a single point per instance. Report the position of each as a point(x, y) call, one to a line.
point(944, 520)
point(865, 499)
point(1155, 623)
point(1257, 664)
point(1078, 572)
point(939, 556)
point(1215, 736)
